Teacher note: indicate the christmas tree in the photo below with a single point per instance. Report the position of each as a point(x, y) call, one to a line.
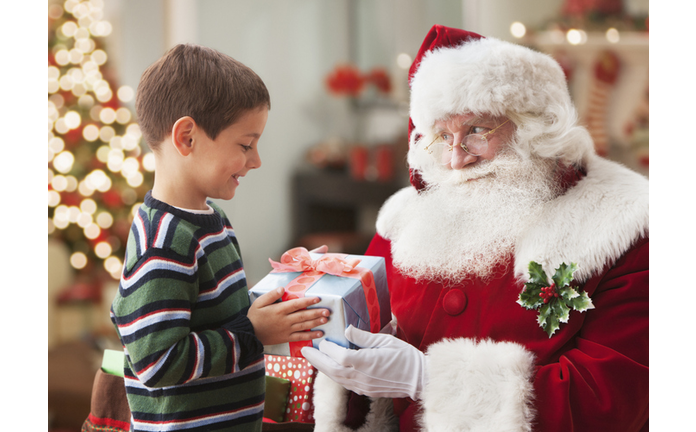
point(98, 172)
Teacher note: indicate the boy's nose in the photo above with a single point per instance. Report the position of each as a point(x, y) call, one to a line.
point(254, 161)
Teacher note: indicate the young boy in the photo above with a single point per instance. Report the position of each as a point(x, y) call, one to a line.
point(193, 343)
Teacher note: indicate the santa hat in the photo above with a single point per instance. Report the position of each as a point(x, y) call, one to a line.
point(457, 71)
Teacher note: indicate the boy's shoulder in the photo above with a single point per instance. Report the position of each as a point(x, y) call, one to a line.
point(160, 229)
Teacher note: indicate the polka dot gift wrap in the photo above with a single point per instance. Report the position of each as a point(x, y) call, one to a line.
point(301, 376)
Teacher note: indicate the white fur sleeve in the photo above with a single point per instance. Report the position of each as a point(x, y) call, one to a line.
point(478, 386)
point(331, 405)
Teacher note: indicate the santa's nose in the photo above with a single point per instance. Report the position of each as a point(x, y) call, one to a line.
point(460, 158)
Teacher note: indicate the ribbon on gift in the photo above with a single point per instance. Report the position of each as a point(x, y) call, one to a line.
point(299, 260)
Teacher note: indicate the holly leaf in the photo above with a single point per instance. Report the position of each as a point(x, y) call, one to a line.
point(561, 310)
point(529, 297)
point(564, 274)
point(544, 314)
point(537, 274)
point(549, 322)
point(557, 309)
point(582, 302)
point(567, 294)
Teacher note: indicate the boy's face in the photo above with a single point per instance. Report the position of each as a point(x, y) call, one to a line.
point(219, 164)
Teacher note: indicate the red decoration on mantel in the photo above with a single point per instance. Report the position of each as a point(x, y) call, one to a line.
point(579, 8)
point(345, 80)
point(380, 79)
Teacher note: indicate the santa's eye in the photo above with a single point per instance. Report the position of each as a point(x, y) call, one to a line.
point(446, 137)
point(478, 130)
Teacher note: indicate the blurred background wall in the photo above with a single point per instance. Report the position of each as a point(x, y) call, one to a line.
point(332, 152)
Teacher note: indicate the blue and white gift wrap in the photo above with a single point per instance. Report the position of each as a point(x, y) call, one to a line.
point(344, 296)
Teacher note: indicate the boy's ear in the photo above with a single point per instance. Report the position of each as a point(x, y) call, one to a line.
point(182, 135)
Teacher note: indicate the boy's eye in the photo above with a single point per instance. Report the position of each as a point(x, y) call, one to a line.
point(245, 148)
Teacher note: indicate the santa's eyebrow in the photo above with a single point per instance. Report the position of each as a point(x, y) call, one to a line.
point(477, 121)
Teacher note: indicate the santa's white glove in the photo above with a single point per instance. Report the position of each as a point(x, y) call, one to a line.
point(385, 366)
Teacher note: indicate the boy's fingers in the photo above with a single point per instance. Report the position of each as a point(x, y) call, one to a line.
point(270, 297)
point(308, 323)
point(311, 314)
point(305, 335)
point(301, 303)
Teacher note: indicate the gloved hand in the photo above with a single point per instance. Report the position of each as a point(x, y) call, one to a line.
point(385, 366)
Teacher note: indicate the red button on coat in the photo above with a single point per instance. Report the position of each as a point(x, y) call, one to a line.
point(454, 302)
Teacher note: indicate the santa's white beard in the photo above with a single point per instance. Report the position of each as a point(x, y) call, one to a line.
point(457, 228)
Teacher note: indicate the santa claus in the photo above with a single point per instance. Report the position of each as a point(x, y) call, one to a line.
point(502, 176)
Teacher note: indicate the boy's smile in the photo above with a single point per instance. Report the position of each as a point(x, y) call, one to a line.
point(219, 164)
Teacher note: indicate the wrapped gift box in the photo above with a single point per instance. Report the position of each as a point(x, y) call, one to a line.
point(301, 374)
point(277, 390)
point(348, 297)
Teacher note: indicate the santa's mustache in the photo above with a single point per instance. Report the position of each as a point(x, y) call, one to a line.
point(463, 226)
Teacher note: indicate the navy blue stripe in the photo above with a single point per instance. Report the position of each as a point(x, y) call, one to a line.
point(149, 308)
point(193, 387)
point(173, 224)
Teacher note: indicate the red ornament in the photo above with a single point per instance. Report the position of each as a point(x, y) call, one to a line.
point(73, 137)
point(112, 199)
point(580, 8)
point(345, 80)
point(70, 199)
point(380, 78)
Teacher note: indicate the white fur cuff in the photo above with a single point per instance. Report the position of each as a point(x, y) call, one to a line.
point(330, 408)
point(478, 386)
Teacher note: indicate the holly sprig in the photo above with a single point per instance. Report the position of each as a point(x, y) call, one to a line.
point(554, 299)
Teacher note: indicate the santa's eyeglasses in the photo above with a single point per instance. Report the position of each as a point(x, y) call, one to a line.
point(474, 144)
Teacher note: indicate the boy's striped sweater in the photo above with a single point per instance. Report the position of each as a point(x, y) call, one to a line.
point(192, 359)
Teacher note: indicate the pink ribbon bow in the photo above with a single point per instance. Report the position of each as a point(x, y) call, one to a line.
point(299, 260)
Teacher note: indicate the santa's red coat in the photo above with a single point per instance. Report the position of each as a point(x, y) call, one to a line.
point(490, 366)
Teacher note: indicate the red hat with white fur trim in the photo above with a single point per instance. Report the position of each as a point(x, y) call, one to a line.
point(456, 71)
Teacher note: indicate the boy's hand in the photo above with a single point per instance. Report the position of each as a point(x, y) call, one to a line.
point(286, 321)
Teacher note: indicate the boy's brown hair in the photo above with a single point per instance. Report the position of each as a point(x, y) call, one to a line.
point(191, 80)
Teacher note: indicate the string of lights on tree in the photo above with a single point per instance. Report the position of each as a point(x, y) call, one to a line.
point(98, 173)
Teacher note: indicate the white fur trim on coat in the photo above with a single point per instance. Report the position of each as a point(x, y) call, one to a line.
point(592, 224)
point(478, 386)
point(486, 76)
point(330, 407)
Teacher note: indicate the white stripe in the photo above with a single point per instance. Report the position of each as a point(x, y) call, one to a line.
point(148, 373)
point(158, 264)
point(129, 329)
point(200, 356)
point(140, 229)
point(136, 384)
point(235, 350)
point(212, 238)
point(215, 418)
point(162, 232)
point(222, 285)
